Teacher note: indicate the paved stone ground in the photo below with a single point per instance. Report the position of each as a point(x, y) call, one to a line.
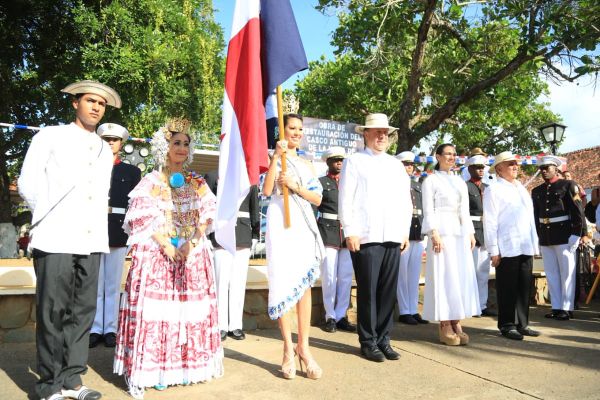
point(563, 363)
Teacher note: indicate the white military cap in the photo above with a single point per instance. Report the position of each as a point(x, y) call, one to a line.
point(113, 130)
point(550, 160)
point(109, 94)
point(334, 152)
point(477, 160)
point(406, 156)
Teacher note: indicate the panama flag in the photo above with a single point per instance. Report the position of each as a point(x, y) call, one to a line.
point(265, 49)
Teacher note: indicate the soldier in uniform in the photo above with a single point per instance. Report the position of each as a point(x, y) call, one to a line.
point(560, 224)
point(410, 262)
point(336, 269)
point(231, 270)
point(481, 259)
point(124, 178)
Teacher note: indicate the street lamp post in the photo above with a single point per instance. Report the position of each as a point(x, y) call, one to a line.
point(553, 134)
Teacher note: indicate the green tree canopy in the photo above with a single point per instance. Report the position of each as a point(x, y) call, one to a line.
point(164, 57)
point(473, 71)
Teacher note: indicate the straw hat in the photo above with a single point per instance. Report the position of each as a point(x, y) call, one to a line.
point(550, 160)
point(333, 152)
point(406, 156)
point(500, 158)
point(477, 160)
point(376, 121)
point(113, 130)
point(109, 94)
point(476, 151)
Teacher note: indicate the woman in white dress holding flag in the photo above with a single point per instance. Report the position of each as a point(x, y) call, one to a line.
point(294, 254)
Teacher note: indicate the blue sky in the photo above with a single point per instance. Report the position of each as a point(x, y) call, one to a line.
point(578, 104)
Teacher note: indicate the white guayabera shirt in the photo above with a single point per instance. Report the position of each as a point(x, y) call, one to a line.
point(58, 158)
point(508, 222)
point(374, 198)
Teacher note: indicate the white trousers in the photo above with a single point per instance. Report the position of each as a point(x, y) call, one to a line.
point(231, 273)
point(407, 292)
point(109, 290)
point(336, 282)
point(482, 263)
point(559, 265)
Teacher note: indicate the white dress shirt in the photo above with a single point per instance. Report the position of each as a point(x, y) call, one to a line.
point(374, 198)
point(508, 222)
point(58, 158)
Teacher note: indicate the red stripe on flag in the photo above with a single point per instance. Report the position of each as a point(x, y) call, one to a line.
point(243, 84)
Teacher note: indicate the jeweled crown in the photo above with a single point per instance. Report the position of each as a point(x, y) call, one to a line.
point(179, 125)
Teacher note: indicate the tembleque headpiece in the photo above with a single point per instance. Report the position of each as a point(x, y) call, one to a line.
point(162, 137)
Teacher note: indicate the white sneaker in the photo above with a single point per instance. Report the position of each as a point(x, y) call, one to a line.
point(83, 393)
point(136, 392)
point(55, 396)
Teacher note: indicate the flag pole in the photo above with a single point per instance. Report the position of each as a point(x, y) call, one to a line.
point(286, 196)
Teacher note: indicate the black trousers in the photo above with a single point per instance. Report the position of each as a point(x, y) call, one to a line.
point(376, 270)
point(513, 290)
point(66, 290)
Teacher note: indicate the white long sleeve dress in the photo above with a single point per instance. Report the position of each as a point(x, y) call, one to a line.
point(451, 285)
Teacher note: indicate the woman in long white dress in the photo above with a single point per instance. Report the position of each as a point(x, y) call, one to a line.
point(451, 286)
point(294, 254)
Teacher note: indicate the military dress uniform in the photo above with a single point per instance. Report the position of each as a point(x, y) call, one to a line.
point(410, 262)
point(231, 271)
point(336, 268)
point(124, 178)
point(481, 258)
point(559, 220)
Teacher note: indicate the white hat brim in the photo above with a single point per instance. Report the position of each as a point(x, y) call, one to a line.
point(107, 93)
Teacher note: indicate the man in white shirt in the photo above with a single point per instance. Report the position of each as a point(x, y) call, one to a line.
point(511, 240)
point(376, 213)
point(65, 180)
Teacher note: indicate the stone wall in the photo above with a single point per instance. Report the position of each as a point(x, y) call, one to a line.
point(17, 312)
point(17, 318)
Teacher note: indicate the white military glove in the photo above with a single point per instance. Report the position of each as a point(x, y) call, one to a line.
point(253, 246)
point(573, 243)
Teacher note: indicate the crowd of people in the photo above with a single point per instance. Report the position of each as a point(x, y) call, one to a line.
point(184, 294)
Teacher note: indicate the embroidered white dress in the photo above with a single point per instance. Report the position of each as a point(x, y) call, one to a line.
point(451, 285)
point(293, 255)
point(168, 326)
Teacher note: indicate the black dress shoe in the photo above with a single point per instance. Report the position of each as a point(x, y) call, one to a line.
point(223, 336)
point(329, 325)
point(562, 315)
point(237, 334)
point(486, 312)
point(552, 314)
point(527, 331)
point(420, 319)
point(110, 339)
point(95, 339)
point(345, 325)
point(512, 334)
point(389, 353)
point(408, 319)
point(372, 353)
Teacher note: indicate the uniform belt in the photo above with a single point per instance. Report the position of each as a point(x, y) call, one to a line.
point(116, 210)
point(243, 214)
point(554, 219)
point(417, 211)
point(329, 216)
point(475, 218)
